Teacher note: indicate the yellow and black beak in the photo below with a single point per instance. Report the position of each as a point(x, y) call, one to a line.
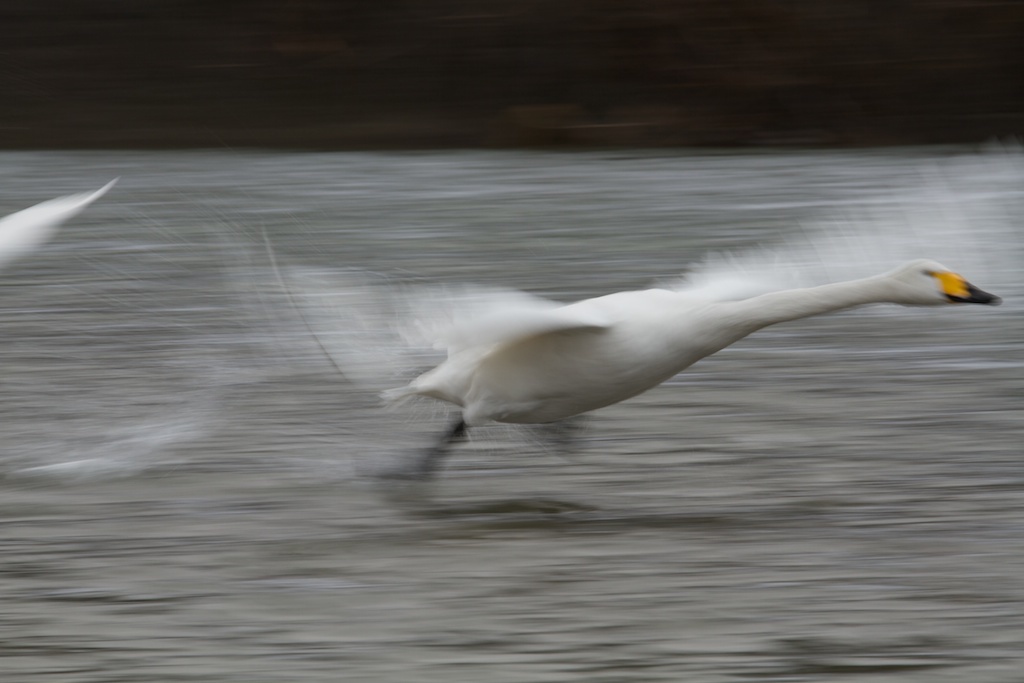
point(960, 291)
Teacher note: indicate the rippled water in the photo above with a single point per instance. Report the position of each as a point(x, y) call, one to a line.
point(838, 499)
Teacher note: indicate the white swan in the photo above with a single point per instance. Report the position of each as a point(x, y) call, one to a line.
point(26, 230)
point(533, 361)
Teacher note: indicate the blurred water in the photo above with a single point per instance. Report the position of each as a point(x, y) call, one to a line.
point(836, 499)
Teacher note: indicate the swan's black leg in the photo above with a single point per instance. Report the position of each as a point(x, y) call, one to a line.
point(429, 462)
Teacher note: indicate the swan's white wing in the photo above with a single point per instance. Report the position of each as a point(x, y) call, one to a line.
point(731, 277)
point(963, 213)
point(829, 253)
point(351, 316)
point(454, 320)
point(378, 332)
point(25, 230)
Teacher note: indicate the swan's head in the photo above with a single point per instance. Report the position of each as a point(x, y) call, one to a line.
point(927, 283)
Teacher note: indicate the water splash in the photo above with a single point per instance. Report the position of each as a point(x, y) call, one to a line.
point(127, 450)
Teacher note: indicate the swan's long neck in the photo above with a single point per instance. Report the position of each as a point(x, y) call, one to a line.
point(793, 304)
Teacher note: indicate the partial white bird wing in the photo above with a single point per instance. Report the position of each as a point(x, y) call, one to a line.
point(963, 214)
point(735, 276)
point(352, 316)
point(377, 331)
point(454, 320)
point(26, 230)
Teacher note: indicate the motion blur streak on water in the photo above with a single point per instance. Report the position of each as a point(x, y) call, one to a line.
point(834, 499)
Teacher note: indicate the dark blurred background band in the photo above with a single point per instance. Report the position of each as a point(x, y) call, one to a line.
point(455, 73)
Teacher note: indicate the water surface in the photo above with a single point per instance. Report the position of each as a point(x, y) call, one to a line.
point(184, 498)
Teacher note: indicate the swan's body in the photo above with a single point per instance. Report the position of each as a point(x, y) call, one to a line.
point(562, 361)
point(24, 231)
